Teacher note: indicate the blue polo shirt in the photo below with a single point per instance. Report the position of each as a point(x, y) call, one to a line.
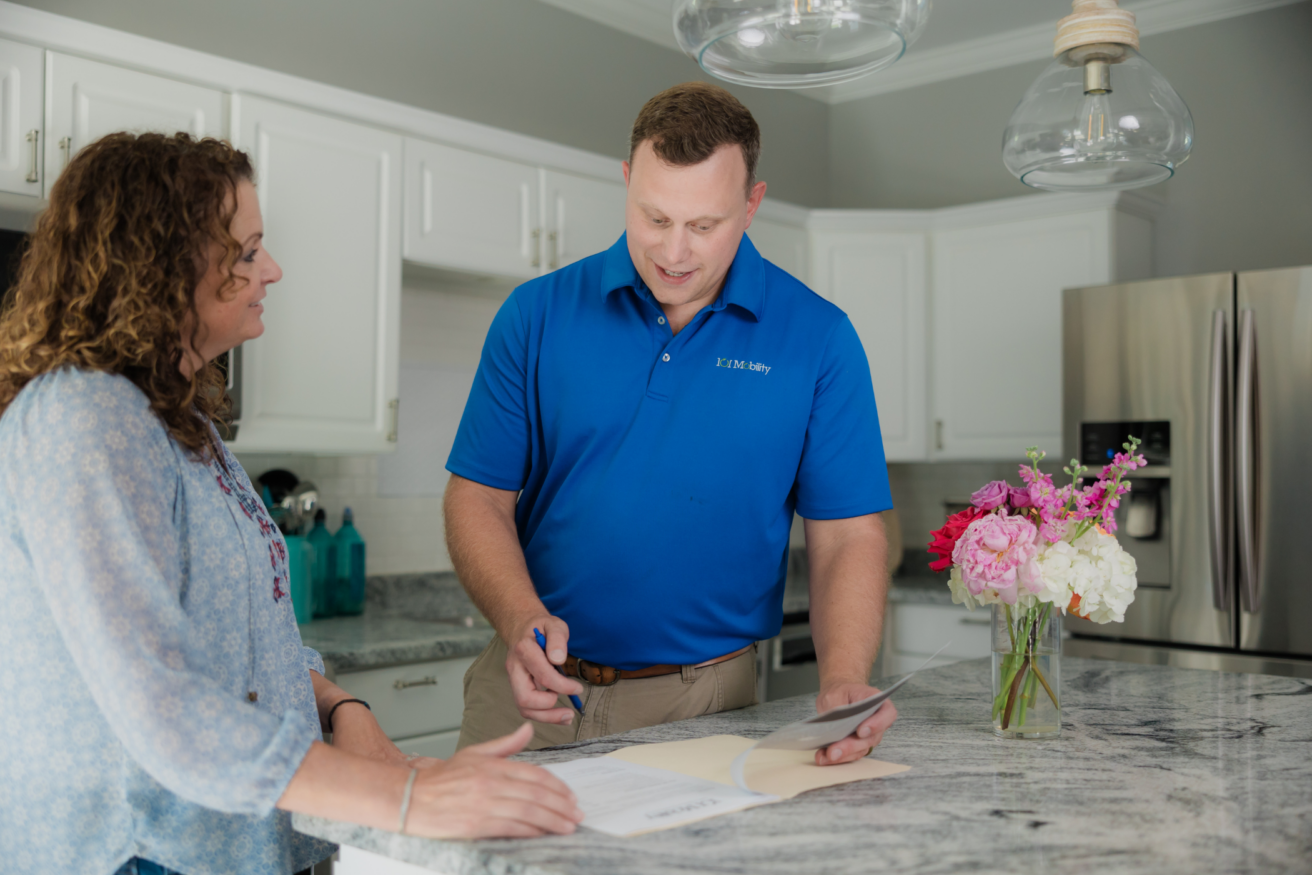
point(659, 473)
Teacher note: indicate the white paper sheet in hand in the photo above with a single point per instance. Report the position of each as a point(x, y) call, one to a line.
point(821, 730)
point(624, 799)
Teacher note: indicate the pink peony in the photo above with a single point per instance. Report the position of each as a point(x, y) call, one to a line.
point(997, 552)
point(990, 495)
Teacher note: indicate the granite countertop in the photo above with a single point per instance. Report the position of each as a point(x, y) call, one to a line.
point(1158, 769)
point(407, 618)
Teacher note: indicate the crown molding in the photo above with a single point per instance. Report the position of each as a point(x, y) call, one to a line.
point(1031, 43)
point(1041, 205)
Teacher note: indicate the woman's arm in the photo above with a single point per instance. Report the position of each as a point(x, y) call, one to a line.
point(477, 793)
point(354, 727)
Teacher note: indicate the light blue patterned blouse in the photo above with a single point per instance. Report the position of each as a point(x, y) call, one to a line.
point(142, 596)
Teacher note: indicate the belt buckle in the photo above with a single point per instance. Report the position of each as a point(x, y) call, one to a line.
point(596, 674)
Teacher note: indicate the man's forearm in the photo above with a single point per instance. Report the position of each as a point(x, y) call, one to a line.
point(484, 547)
point(849, 586)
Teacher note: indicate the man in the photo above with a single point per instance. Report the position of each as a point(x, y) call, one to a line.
point(661, 409)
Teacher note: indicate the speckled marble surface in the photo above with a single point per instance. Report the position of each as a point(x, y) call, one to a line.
point(1158, 770)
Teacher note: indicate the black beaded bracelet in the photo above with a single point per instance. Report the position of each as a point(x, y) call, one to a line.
point(333, 710)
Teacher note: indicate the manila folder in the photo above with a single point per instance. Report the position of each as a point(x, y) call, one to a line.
point(782, 773)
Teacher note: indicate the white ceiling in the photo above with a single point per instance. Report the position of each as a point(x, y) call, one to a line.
point(962, 37)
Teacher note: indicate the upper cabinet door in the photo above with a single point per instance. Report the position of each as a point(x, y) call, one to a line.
point(878, 279)
point(86, 100)
point(323, 377)
point(471, 212)
point(581, 216)
point(997, 330)
point(21, 70)
point(781, 244)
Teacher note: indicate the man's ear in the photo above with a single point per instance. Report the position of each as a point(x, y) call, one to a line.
point(753, 202)
point(625, 166)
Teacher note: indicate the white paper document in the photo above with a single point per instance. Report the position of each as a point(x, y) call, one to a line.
point(624, 799)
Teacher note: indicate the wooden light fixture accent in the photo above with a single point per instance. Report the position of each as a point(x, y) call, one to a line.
point(1096, 21)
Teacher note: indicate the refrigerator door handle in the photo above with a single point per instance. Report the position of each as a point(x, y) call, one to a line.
point(1218, 463)
point(1246, 461)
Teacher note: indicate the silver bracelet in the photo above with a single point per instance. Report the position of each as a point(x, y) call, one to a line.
point(405, 800)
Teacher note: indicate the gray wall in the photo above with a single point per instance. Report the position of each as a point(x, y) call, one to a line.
point(519, 65)
point(1243, 199)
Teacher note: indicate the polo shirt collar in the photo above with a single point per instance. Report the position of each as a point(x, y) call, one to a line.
point(743, 286)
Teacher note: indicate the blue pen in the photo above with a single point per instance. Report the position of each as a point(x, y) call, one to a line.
point(542, 642)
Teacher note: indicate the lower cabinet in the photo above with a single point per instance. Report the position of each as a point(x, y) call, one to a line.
point(913, 631)
point(419, 705)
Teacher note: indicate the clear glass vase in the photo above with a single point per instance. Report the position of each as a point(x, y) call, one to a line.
point(1026, 671)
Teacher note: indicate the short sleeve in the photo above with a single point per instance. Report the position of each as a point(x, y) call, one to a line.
point(493, 442)
point(842, 472)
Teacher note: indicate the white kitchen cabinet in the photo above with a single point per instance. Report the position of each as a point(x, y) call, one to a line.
point(996, 339)
point(472, 212)
point(581, 216)
point(414, 704)
point(22, 72)
point(323, 377)
point(913, 631)
point(784, 245)
point(878, 279)
point(87, 99)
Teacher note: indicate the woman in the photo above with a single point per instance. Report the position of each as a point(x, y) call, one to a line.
point(159, 709)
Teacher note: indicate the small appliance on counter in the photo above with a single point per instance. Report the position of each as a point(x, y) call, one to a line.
point(1213, 374)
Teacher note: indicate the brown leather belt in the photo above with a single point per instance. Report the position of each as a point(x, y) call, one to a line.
point(605, 675)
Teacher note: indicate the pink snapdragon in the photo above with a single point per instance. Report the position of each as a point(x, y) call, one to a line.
point(997, 552)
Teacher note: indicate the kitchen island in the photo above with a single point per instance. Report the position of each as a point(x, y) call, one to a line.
point(1158, 769)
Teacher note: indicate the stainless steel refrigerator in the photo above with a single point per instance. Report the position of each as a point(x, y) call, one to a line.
point(1214, 373)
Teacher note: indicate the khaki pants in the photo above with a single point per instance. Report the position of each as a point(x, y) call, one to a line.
point(490, 709)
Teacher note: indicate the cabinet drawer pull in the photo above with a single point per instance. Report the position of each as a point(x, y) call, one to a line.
point(537, 248)
point(976, 621)
point(32, 137)
point(554, 240)
point(429, 681)
point(66, 148)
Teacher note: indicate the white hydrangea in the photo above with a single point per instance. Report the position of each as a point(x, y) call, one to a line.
point(961, 595)
point(1095, 568)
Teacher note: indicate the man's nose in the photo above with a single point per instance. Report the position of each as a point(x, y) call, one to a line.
point(675, 248)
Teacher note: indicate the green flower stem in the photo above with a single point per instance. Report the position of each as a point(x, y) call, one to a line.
point(1011, 693)
point(1051, 695)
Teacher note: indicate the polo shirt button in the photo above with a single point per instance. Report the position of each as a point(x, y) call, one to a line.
point(666, 357)
point(660, 320)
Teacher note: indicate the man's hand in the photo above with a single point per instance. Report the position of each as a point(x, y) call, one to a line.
point(534, 679)
point(867, 735)
point(478, 793)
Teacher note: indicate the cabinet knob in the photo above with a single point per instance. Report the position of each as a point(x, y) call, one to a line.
point(66, 148)
point(537, 248)
point(394, 407)
point(422, 682)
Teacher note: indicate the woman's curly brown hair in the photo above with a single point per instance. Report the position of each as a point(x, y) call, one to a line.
point(108, 280)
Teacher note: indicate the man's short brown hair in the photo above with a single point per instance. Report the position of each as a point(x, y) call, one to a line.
point(688, 122)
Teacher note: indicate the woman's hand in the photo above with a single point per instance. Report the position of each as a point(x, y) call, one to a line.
point(478, 793)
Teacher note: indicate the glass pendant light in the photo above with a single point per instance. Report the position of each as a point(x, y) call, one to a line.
point(796, 43)
point(1100, 116)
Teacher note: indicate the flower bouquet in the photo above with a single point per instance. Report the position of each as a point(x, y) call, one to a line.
point(1025, 551)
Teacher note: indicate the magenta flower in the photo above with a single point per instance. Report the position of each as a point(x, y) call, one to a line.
point(997, 552)
point(991, 495)
point(1019, 497)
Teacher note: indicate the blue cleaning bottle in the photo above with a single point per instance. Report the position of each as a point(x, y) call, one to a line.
point(323, 574)
point(349, 590)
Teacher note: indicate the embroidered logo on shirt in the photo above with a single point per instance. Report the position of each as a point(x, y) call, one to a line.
point(742, 365)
